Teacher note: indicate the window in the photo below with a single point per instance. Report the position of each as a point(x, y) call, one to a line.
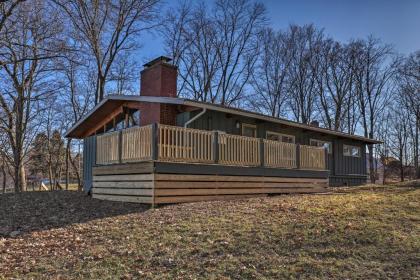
point(249, 130)
point(270, 135)
point(320, 143)
point(351, 151)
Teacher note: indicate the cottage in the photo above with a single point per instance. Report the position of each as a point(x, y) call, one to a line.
point(157, 148)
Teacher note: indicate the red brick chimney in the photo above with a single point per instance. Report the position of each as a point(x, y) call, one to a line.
point(158, 78)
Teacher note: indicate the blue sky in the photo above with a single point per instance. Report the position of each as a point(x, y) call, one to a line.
point(396, 22)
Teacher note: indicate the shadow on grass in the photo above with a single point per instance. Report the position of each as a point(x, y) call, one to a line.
point(32, 211)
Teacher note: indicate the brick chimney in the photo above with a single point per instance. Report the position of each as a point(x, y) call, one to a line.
point(158, 78)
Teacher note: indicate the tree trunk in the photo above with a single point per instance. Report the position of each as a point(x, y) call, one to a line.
point(16, 171)
point(68, 164)
point(101, 87)
point(371, 165)
point(3, 171)
point(384, 173)
point(20, 178)
point(416, 149)
point(23, 178)
point(77, 171)
point(50, 175)
point(401, 167)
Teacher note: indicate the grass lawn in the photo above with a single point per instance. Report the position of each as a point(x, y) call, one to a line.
point(353, 233)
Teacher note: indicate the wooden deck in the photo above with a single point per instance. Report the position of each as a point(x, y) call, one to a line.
point(159, 164)
point(163, 182)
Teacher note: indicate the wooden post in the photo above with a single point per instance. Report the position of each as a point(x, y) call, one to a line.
point(120, 146)
point(154, 141)
point(261, 143)
point(298, 156)
point(326, 158)
point(215, 146)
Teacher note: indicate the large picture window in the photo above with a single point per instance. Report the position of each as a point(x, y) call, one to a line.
point(320, 143)
point(270, 135)
point(351, 151)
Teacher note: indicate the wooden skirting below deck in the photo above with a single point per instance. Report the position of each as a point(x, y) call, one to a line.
point(142, 184)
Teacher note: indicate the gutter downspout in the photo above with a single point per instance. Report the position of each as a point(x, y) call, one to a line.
point(196, 117)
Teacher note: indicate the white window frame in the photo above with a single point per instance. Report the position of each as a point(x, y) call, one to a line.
point(321, 143)
point(349, 152)
point(280, 136)
point(247, 125)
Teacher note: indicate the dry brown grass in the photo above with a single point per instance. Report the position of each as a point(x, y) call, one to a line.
point(371, 232)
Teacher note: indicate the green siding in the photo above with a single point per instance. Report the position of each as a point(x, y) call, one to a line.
point(89, 160)
point(343, 169)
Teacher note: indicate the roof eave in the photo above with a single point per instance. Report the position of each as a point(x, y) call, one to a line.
point(181, 101)
point(151, 99)
point(281, 121)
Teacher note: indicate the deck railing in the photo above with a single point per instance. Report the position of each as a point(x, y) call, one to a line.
point(136, 144)
point(238, 150)
point(179, 144)
point(185, 144)
point(279, 154)
point(107, 148)
point(312, 157)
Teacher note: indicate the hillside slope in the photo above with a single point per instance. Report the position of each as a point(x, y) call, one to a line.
point(370, 232)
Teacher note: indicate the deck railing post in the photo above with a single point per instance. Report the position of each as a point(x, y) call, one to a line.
point(120, 146)
point(154, 141)
point(298, 156)
point(262, 159)
point(326, 158)
point(215, 146)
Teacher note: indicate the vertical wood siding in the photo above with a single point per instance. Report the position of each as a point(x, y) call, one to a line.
point(89, 158)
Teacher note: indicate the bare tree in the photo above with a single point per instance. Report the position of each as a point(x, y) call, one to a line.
point(29, 41)
point(55, 151)
point(270, 80)
point(384, 150)
point(108, 27)
point(215, 48)
point(408, 80)
point(335, 84)
point(372, 72)
point(6, 10)
point(78, 86)
point(399, 138)
point(238, 23)
point(124, 75)
point(192, 41)
point(304, 71)
point(3, 172)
